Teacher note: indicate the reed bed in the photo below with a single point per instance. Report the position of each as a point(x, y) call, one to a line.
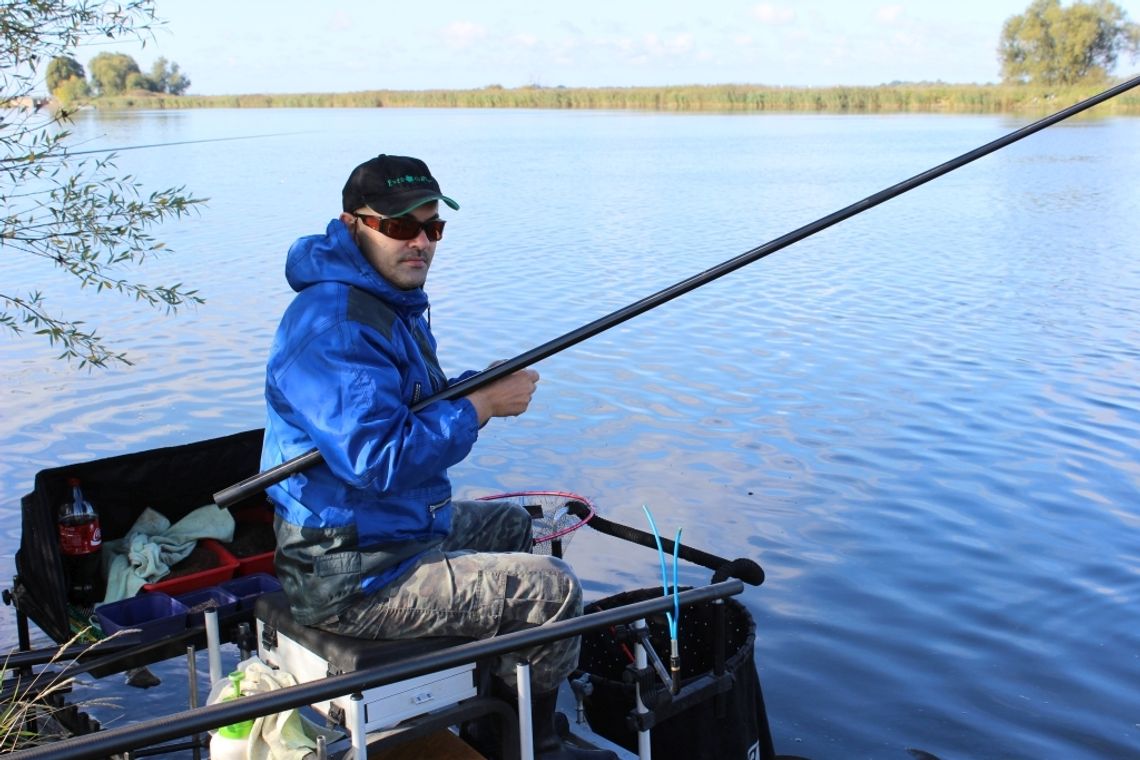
point(892, 98)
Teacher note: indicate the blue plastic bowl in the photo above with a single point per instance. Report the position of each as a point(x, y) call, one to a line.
point(248, 587)
point(197, 602)
point(154, 615)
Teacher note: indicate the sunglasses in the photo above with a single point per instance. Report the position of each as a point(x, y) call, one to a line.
point(403, 227)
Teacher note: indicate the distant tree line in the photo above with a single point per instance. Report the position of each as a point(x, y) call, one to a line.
point(898, 97)
point(111, 74)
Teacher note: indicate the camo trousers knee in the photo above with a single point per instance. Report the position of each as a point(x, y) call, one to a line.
point(479, 583)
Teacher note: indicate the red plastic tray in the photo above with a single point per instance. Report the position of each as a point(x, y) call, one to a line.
point(256, 563)
point(227, 566)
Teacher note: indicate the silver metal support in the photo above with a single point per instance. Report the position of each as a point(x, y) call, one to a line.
point(642, 631)
point(243, 636)
point(213, 646)
point(640, 661)
point(322, 748)
point(359, 737)
point(192, 668)
point(526, 720)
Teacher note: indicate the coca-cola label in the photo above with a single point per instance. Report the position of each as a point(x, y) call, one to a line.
point(79, 537)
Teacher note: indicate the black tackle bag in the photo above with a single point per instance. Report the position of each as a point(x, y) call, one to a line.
point(729, 725)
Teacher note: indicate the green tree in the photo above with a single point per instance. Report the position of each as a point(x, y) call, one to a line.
point(111, 73)
point(138, 81)
point(1054, 45)
point(71, 90)
point(167, 77)
point(159, 75)
point(74, 214)
point(60, 69)
point(177, 83)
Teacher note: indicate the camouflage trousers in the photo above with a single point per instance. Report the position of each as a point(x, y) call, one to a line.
point(480, 582)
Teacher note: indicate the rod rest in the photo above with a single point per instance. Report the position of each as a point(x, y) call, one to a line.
point(662, 704)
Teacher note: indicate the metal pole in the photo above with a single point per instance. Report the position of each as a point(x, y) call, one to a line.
point(192, 668)
point(213, 648)
point(640, 660)
point(526, 714)
point(359, 722)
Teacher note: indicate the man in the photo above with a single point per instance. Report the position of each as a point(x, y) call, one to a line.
point(369, 543)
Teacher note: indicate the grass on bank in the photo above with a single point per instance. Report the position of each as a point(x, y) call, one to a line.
point(31, 701)
point(904, 98)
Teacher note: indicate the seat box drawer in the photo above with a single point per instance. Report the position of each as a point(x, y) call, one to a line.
point(388, 705)
point(384, 706)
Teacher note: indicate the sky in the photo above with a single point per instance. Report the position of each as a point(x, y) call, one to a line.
point(257, 46)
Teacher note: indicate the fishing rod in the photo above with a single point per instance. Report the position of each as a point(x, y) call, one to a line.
point(180, 142)
point(161, 145)
point(262, 480)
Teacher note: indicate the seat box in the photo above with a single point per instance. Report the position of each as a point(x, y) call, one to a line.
point(310, 654)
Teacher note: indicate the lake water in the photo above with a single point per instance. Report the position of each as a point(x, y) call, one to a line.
point(924, 422)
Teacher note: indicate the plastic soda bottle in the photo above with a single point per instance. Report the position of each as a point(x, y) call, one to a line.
point(81, 548)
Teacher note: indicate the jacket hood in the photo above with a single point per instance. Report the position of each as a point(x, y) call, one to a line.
point(334, 257)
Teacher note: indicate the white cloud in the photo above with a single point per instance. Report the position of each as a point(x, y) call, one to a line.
point(625, 44)
point(775, 15)
point(889, 14)
point(679, 43)
point(462, 34)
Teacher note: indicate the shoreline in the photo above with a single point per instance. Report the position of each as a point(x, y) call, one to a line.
point(888, 98)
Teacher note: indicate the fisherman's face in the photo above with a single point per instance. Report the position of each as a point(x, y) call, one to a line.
point(404, 263)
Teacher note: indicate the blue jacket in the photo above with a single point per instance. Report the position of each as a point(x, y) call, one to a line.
point(351, 356)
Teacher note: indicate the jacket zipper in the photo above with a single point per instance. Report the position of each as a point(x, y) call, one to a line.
point(433, 508)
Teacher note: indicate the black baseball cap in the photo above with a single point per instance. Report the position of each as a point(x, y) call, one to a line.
point(392, 186)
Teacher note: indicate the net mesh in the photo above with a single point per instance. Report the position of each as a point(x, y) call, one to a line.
point(555, 515)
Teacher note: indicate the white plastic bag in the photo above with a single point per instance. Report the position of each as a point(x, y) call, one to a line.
point(284, 736)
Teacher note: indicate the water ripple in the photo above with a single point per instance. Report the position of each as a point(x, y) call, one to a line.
point(924, 422)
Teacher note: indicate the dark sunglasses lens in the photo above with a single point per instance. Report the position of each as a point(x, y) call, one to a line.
point(406, 229)
point(399, 228)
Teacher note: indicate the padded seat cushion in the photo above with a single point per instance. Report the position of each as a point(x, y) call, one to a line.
point(344, 654)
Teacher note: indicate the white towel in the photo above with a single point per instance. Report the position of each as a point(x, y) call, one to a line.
point(152, 546)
